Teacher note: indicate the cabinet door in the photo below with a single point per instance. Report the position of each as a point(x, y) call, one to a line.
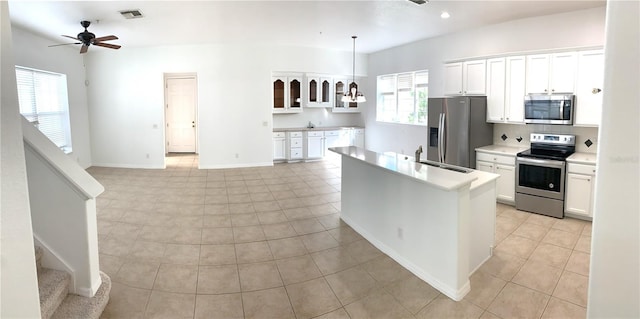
point(589, 88)
point(339, 88)
point(515, 89)
point(484, 166)
point(506, 185)
point(326, 92)
point(279, 93)
point(537, 75)
point(313, 85)
point(578, 194)
point(295, 84)
point(279, 147)
point(315, 147)
point(358, 138)
point(474, 77)
point(495, 89)
point(562, 74)
point(453, 79)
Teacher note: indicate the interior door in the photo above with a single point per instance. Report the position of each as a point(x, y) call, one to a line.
point(181, 115)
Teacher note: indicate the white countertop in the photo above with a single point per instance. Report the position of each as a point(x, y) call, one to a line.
point(501, 149)
point(582, 158)
point(320, 128)
point(405, 165)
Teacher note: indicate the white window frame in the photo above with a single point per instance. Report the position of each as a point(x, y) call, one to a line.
point(43, 95)
point(384, 94)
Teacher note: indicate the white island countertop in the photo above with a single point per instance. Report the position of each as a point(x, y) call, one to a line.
point(406, 165)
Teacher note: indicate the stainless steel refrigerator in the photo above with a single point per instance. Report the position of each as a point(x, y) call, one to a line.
point(457, 126)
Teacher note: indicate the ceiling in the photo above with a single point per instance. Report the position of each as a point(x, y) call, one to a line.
point(320, 24)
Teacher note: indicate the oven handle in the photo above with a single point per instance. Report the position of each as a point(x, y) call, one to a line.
point(547, 163)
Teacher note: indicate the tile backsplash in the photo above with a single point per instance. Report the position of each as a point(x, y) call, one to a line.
point(515, 132)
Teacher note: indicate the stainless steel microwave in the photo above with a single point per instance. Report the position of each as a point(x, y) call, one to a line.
point(549, 108)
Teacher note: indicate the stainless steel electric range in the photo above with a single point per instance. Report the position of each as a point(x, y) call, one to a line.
point(540, 174)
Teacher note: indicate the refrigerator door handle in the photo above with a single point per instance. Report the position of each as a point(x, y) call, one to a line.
point(441, 138)
point(444, 138)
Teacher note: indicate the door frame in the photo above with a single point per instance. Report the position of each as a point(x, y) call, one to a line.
point(170, 76)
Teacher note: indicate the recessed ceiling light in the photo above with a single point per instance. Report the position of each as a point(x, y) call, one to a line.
point(445, 15)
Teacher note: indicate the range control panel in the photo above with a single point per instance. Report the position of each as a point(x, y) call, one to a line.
point(546, 138)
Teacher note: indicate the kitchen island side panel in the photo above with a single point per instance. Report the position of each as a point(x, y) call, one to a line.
point(424, 228)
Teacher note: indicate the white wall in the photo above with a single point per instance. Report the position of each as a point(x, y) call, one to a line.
point(18, 282)
point(32, 51)
point(614, 279)
point(126, 100)
point(583, 28)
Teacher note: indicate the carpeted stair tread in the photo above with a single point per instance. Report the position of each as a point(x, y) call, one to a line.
point(53, 286)
point(79, 307)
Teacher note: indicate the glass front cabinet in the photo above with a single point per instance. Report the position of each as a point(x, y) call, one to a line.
point(287, 93)
point(319, 93)
point(342, 86)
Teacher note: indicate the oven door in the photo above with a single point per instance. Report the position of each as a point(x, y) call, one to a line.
point(540, 177)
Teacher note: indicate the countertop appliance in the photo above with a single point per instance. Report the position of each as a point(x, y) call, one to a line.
point(457, 126)
point(549, 109)
point(540, 174)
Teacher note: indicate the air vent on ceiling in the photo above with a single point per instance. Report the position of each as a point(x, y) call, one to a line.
point(419, 1)
point(131, 14)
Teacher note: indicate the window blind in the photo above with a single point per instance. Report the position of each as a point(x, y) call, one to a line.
point(42, 97)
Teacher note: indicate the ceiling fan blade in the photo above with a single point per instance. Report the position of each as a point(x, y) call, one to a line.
point(57, 45)
point(70, 37)
point(84, 48)
point(108, 45)
point(105, 38)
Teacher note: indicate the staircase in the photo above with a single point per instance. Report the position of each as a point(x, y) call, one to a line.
point(57, 303)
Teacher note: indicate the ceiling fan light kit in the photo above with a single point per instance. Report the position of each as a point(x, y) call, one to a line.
point(87, 38)
point(353, 95)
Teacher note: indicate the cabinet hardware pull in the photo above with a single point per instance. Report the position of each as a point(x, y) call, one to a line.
point(596, 90)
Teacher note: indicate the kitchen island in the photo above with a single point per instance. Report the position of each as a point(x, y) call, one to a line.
point(437, 223)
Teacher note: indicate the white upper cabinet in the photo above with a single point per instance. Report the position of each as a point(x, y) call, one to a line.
point(287, 90)
point(465, 78)
point(320, 91)
point(515, 89)
point(473, 77)
point(495, 90)
point(589, 80)
point(340, 87)
point(505, 90)
point(551, 73)
point(453, 78)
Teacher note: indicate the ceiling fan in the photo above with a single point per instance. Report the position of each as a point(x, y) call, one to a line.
point(87, 38)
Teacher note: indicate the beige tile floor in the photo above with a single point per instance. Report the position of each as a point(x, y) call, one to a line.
point(268, 243)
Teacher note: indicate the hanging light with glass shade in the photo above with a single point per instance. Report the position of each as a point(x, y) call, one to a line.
point(353, 95)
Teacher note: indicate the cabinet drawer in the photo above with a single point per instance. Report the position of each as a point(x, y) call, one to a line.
point(295, 134)
point(581, 169)
point(296, 142)
point(331, 133)
point(315, 134)
point(278, 134)
point(296, 153)
point(493, 158)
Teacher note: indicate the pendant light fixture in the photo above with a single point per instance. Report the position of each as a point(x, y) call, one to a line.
point(352, 95)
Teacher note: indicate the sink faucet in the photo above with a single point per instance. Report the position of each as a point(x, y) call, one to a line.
point(418, 152)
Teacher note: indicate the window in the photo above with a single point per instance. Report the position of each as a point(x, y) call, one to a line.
point(402, 98)
point(43, 101)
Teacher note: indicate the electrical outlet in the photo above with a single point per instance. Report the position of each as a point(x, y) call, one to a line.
point(147, 155)
point(400, 233)
point(237, 155)
point(265, 123)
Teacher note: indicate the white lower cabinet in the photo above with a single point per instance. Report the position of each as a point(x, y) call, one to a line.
point(503, 165)
point(357, 137)
point(279, 146)
point(294, 147)
point(315, 145)
point(579, 189)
